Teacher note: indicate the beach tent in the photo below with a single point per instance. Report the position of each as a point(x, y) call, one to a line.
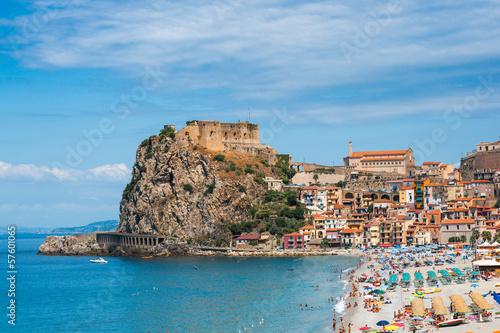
point(417, 307)
point(480, 301)
point(459, 304)
point(438, 306)
point(485, 263)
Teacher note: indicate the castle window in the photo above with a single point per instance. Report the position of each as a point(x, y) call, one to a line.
point(211, 133)
point(225, 133)
point(187, 133)
point(234, 134)
point(245, 135)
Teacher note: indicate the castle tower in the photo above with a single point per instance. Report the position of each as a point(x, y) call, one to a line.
point(350, 148)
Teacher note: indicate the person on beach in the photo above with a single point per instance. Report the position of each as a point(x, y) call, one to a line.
point(334, 324)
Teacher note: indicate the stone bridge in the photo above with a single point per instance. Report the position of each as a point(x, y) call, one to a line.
point(127, 240)
point(373, 195)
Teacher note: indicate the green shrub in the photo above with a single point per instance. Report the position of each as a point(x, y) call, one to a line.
point(259, 180)
point(144, 143)
point(210, 189)
point(219, 158)
point(167, 132)
point(253, 243)
point(188, 188)
point(195, 147)
point(249, 170)
point(242, 188)
point(130, 186)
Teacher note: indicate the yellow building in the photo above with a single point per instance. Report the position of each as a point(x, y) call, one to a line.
point(454, 191)
point(406, 195)
point(375, 232)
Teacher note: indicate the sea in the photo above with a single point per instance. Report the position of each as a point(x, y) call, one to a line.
point(182, 294)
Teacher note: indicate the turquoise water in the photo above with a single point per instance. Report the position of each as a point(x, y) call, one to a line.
point(70, 294)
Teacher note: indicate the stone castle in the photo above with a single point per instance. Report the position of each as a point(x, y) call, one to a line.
point(242, 137)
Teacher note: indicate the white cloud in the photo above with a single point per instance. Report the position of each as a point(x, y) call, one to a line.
point(111, 173)
point(275, 50)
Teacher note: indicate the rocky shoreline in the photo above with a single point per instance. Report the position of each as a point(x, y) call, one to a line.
point(85, 245)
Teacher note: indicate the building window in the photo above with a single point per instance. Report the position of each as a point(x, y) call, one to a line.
point(458, 227)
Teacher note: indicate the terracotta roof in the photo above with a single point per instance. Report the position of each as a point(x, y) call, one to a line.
point(431, 163)
point(310, 188)
point(307, 233)
point(382, 159)
point(334, 229)
point(348, 231)
point(294, 234)
point(248, 237)
point(377, 153)
point(407, 188)
point(463, 199)
point(338, 206)
point(461, 221)
point(434, 212)
point(307, 227)
point(482, 181)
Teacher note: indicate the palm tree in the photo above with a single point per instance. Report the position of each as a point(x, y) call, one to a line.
point(486, 235)
point(315, 177)
point(496, 238)
point(473, 238)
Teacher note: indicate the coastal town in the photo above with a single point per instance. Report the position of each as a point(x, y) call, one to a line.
point(384, 199)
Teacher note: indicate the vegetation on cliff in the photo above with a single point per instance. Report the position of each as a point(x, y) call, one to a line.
point(279, 213)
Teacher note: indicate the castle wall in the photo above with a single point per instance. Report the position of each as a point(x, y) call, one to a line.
point(242, 137)
point(240, 133)
point(478, 161)
point(210, 135)
point(221, 136)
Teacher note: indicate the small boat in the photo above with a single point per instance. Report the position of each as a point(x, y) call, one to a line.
point(147, 257)
point(98, 261)
point(451, 322)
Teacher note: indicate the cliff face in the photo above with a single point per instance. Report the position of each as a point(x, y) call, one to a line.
point(179, 190)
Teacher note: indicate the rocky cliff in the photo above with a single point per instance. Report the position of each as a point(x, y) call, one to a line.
point(186, 191)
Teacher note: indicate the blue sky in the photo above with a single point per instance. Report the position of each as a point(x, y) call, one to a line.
point(84, 82)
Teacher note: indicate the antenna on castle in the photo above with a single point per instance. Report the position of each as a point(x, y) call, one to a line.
point(248, 115)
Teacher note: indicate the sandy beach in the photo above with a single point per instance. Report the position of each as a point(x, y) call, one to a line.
point(361, 317)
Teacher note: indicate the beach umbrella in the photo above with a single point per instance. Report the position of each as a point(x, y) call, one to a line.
point(371, 330)
point(419, 293)
point(417, 318)
point(398, 324)
point(368, 288)
point(429, 320)
point(365, 328)
point(383, 323)
point(391, 327)
point(474, 285)
point(378, 291)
